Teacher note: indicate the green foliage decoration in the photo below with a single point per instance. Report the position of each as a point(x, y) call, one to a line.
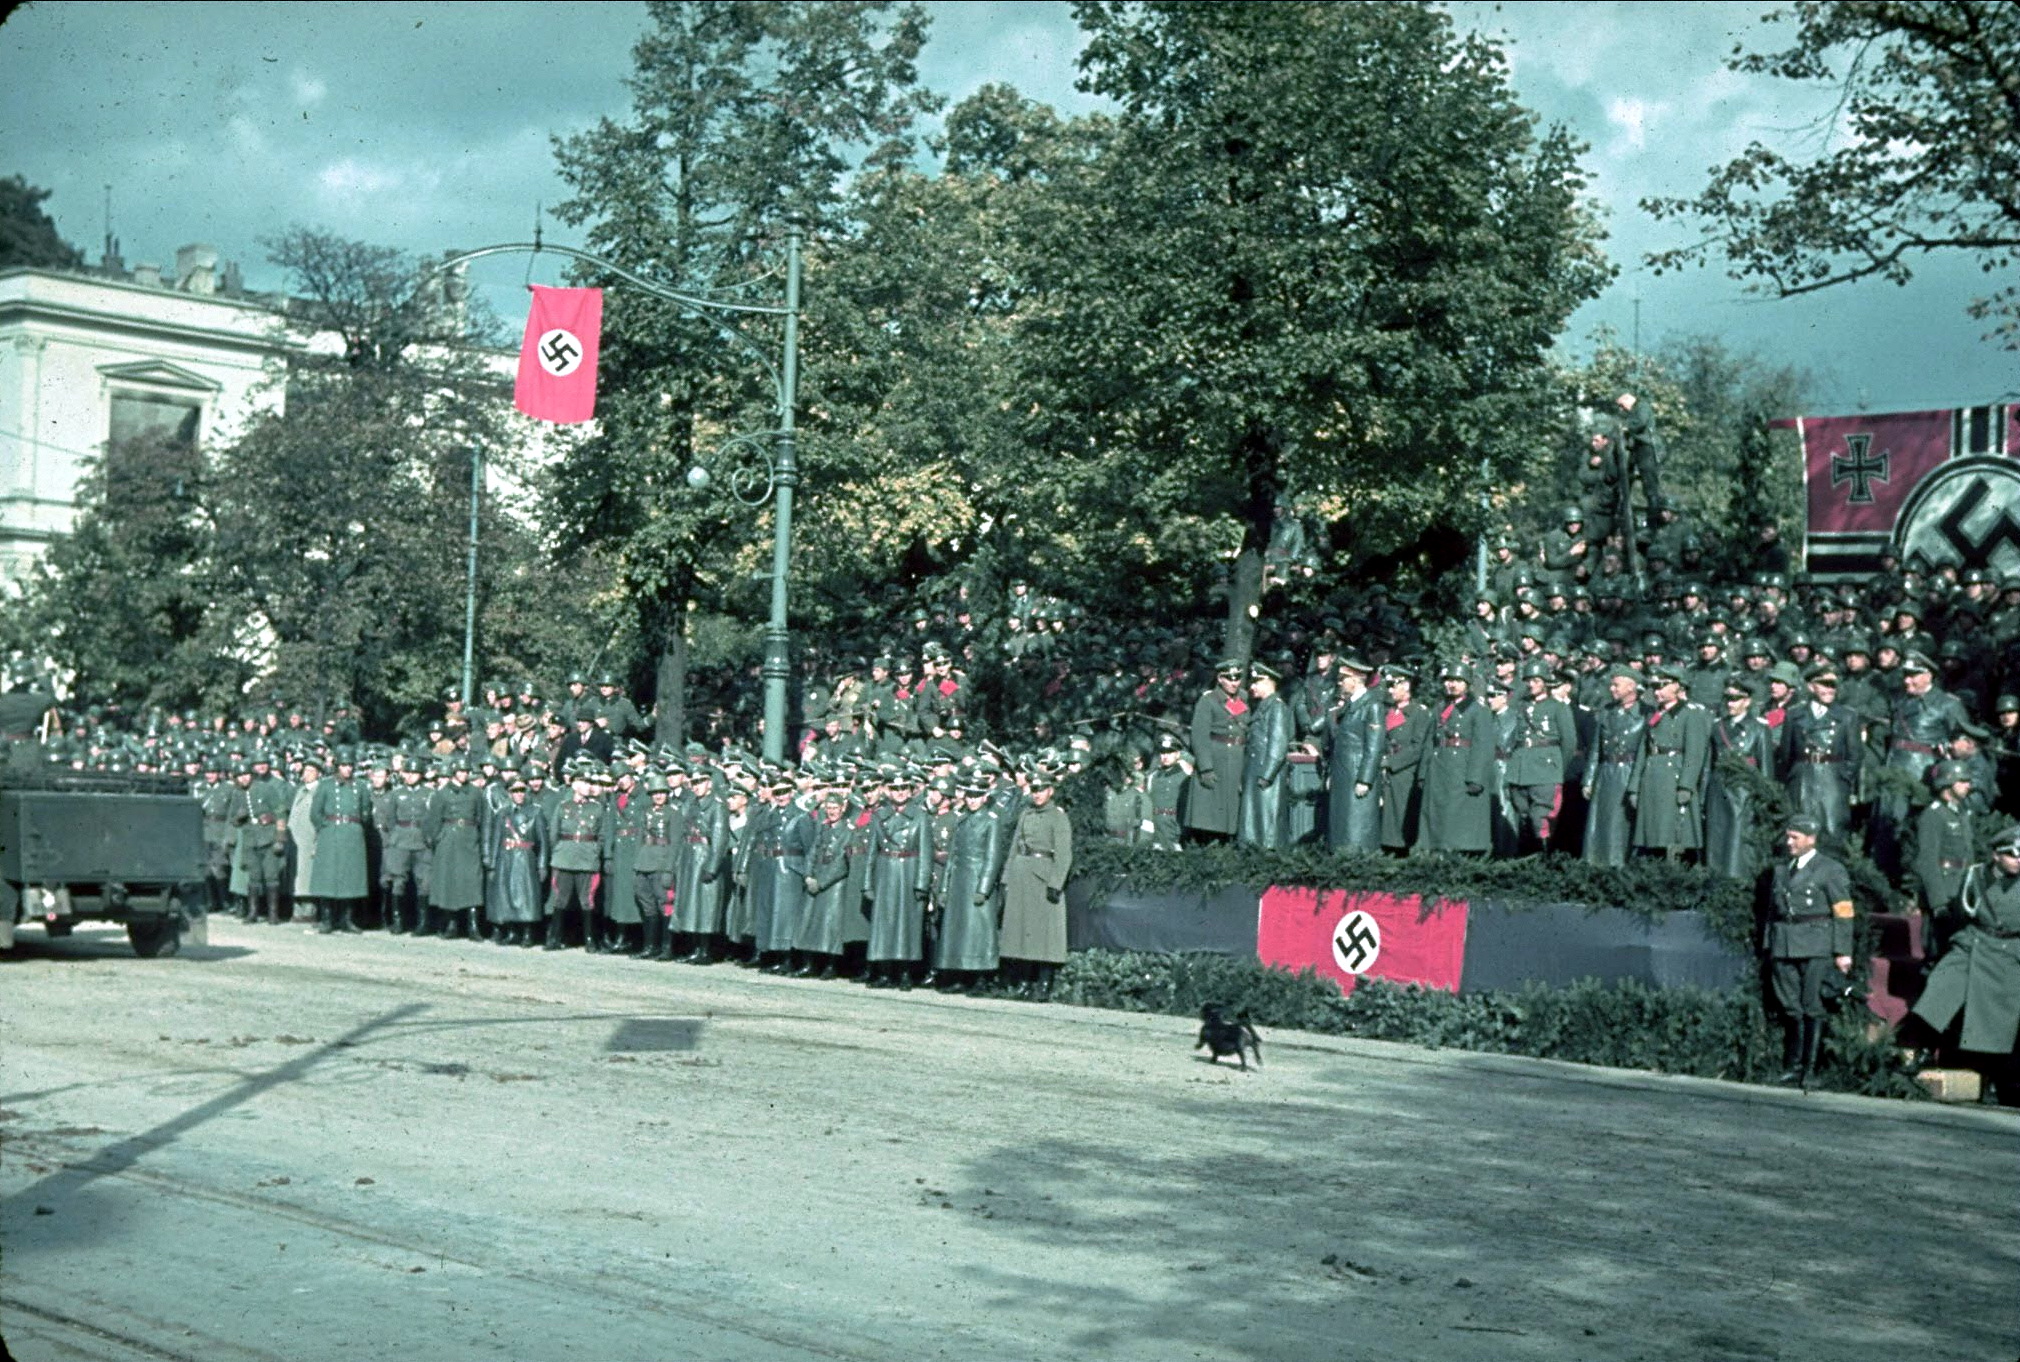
point(1707, 1033)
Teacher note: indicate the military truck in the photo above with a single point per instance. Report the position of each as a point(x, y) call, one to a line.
point(80, 846)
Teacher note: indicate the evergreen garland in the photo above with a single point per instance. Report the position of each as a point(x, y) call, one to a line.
point(1723, 1033)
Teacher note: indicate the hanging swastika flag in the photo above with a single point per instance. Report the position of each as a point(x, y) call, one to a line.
point(557, 359)
point(1936, 487)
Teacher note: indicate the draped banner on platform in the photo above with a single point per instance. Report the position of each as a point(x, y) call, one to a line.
point(1938, 486)
point(1348, 937)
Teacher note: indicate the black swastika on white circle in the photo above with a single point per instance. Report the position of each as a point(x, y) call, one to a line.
point(560, 352)
point(1357, 942)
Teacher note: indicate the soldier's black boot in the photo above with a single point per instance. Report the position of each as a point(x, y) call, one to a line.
point(1042, 989)
point(1813, 1039)
point(326, 917)
point(1792, 1053)
point(553, 941)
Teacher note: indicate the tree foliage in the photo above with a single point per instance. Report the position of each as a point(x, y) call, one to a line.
point(28, 235)
point(741, 116)
point(1321, 253)
point(1921, 154)
point(319, 558)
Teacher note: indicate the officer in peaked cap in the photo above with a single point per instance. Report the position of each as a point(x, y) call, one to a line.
point(1809, 930)
point(1219, 741)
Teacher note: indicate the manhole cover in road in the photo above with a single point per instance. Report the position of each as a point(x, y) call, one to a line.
point(655, 1033)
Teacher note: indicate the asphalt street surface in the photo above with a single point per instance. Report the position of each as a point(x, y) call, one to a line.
point(286, 1146)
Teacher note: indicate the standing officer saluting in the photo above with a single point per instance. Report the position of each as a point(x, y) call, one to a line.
point(1809, 930)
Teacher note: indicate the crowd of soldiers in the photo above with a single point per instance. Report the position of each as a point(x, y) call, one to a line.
point(946, 870)
point(1615, 690)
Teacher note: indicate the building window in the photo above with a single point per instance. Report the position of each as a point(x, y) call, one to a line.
point(151, 446)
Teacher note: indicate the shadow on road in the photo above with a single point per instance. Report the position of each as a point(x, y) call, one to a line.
point(1461, 1203)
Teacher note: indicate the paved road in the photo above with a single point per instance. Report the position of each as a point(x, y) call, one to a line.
point(301, 1147)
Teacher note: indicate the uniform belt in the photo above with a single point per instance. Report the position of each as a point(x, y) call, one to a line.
point(1455, 742)
point(340, 820)
point(1900, 746)
point(1808, 917)
point(1046, 854)
point(899, 855)
point(520, 846)
point(580, 837)
point(406, 823)
point(1166, 813)
point(459, 822)
point(1814, 760)
point(1541, 742)
point(659, 841)
point(1230, 739)
point(1618, 761)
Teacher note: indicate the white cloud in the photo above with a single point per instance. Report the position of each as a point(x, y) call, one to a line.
point(309, 90)
point(350, 176)
point(1632, 117)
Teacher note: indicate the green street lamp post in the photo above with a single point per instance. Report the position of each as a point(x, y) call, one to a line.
point(781, 462)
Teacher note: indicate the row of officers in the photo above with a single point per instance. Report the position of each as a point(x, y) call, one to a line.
point(917, 878)
point(1357, 761)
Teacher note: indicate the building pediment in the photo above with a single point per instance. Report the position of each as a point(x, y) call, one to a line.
point(159, 375)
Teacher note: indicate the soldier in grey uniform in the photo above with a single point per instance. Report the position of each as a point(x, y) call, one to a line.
point(1220, 721)
point(1979, 975)
point(1820, 755)
point(1808, 932)
point(1613, 775)
point(1354, 762)
point(1544, 742)
point(1264, 760)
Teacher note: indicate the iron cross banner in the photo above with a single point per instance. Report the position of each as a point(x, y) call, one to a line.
point(557, 358)
point(1936, 486)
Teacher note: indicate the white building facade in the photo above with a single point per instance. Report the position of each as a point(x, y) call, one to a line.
point(89, 361)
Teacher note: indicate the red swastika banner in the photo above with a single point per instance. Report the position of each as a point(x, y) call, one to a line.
point(1348, 937)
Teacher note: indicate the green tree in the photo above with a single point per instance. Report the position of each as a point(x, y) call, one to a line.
point(28, 236)
point(1921, 154)
point(1322, 253)
point(1712, 405)
point(741, 116)
point(120, 603)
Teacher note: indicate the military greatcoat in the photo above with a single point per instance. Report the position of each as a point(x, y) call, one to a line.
point(1263, 786)
point(1219, 753)
point(1034, 886)
point(338, 815)
point(971, 894)
point(1354, 757)
point(1979, 975)
point(1458, 776)
point(1407, 730)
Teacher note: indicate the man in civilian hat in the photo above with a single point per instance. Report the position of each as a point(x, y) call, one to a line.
point(1808, 933)
point(1220, 720)
point(1270, 732)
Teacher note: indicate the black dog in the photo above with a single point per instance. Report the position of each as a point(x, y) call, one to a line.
point(1222, 1036)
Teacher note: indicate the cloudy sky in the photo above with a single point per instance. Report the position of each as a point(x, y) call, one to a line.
point(428, 127)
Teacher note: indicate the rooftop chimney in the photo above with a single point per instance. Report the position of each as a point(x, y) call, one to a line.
point(196, 268)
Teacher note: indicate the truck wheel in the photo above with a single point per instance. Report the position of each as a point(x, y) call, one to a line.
point(157, 936)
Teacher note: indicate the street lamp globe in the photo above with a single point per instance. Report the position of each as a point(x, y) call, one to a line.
point(697, 477)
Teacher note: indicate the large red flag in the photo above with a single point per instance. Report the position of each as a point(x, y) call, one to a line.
point(1936, 487)
point(1348, 937)
point(557, 358)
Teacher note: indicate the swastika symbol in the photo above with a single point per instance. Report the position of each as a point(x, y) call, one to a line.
point(1862, 469)
point(1357, 942)
point(1976, 550)
point(560, 352)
